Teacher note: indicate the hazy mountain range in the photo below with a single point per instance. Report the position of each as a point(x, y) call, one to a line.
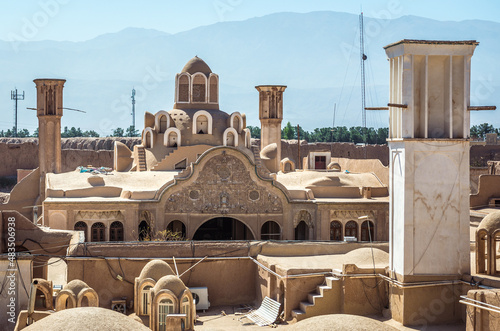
point(315, 54)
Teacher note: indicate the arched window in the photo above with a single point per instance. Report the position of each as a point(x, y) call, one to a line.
point(202, 121)
point(213, 88)
point(144, 231)
point(183, 89)
point(496, 253)
point(81, 226)
point(230, 139)
point(199, 88)
point(201, 124)
point(367, 233)
point(482, 248)
point(270, 231)
point(145, 297)
point(116, 231)
point(302, 231)
point(98, 232)
point(172, 139)
point(186, 309)
point(148, 139)
point(335, 231)
point(163, 124)
point(351, 229)
point(177, 227)
point(165, 307)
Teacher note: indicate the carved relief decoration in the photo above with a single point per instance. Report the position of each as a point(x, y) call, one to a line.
point(224, 184)
point(351, 214)
point(305, 216)
point(90, 215)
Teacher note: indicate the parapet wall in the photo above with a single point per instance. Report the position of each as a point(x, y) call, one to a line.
point(22, 153)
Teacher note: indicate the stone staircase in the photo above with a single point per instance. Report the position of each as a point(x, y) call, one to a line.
point(325, 300)
point(141, 159)
point(164, 161)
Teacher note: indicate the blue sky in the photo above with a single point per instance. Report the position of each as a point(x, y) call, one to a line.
point(77, 20)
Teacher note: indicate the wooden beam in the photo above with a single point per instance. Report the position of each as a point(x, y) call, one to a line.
point(475, 108)
point(376, 108)
point(397, 105)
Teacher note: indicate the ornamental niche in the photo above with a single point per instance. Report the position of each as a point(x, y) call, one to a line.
point(224, 186)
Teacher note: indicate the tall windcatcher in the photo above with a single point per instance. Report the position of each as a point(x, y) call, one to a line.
point(429, 172)
point(49, 112)
point(270, 116)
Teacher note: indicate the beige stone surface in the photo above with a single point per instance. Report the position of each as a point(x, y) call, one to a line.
point(362, 257)
point(87, 318)
point(340, 322)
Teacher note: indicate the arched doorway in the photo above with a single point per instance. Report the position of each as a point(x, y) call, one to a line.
point(98, 232)
point(82, 226)
point(270, 231)
point(223, 228)
point(177, 227)
point(116, 231)
point(351, 229)
point(367, 231)
point(302, 231)
point(336, 231)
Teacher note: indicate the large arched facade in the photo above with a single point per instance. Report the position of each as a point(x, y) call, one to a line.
point(223, 228)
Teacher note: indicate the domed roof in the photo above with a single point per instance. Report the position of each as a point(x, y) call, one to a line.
point(341, 322)
point(491, 222)
point(172, 283)
point(76, 286)
point(155, 269)
point(197, 65)
point(87, 318)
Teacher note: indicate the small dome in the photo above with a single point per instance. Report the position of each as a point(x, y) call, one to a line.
point(75, 286)
point(172, 283)
point(87, 318)
point(155, 269)
point(197, 65)
point(491, 222)
point(340, 322)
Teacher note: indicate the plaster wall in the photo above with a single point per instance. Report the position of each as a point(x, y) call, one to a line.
point(488, 188)
point(429, 208)
point(14, 289)
point(229, 281)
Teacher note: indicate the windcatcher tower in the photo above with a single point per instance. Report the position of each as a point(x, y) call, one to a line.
point(270, 116)
point(429, 177)
point(49, 112)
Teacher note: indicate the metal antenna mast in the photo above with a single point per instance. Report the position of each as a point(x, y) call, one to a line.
point(133, 110)
point(15, 96)
point(363, 58)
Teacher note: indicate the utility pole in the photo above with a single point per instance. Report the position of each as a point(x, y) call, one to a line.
point(298, 144)
point(15, 96)
point(363, 58)
point(133, 111)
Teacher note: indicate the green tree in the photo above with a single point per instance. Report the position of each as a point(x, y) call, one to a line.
point(118, 132)
point(288, 132)
point(254, 131)
point(23, 133)
point(90, 133)
point(480, 131)
point(35, 133)
point(132, 132)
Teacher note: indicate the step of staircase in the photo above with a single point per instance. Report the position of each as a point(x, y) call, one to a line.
point(141, 159)
point(308, 308)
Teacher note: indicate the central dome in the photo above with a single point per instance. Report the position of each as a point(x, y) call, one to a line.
point(197, 65)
